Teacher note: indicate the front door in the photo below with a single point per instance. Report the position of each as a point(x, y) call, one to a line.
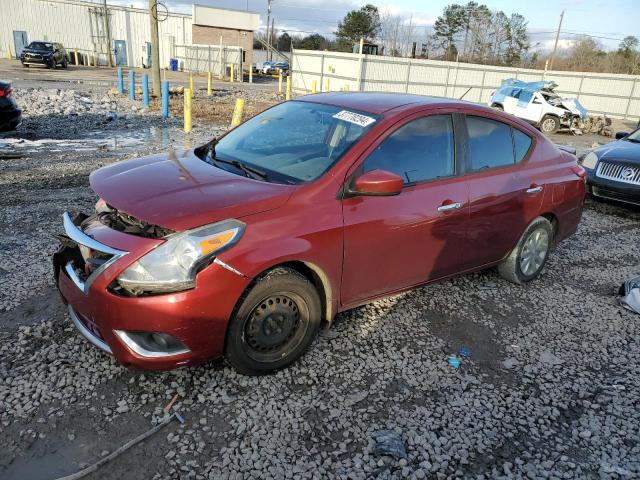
point(120, 50)
point(391, 243)
point(503, 194)
point(19, 41)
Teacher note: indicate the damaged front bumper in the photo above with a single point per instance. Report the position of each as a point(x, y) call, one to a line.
point(190, 326)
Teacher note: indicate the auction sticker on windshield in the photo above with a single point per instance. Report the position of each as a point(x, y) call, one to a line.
point(353, 117)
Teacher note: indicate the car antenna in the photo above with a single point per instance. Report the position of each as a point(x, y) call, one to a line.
point(465, 93)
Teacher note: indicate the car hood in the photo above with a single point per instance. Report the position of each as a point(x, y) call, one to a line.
point(620, 150)
point(179, 191)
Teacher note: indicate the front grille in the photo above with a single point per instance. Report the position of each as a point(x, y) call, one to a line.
point(619, 172)
point(86, 257)
point(33, 56)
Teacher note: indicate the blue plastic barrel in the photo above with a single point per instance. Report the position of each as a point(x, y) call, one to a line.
point(173, 64)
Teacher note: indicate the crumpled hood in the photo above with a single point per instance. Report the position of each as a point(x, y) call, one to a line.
point(620, 150)
point(179, 191)
point(575, 107)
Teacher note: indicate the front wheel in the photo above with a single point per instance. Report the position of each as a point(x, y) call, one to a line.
point(64, 63)
point(275, 323)
point(527, 259)
point(549, 124)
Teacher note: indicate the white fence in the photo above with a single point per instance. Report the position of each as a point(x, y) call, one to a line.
point(615, 95)
point(209, 58)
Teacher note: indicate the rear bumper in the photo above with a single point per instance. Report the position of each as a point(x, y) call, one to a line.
point(198, 317)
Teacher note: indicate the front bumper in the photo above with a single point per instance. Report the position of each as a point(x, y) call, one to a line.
point(612, 190)
point(198, 317)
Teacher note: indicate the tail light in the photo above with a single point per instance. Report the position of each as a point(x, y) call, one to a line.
point(5, 92)
point(580, 172)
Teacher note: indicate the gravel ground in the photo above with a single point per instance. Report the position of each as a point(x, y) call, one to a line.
point(550, 389)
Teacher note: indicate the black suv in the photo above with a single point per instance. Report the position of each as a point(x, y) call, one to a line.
point(44, 53)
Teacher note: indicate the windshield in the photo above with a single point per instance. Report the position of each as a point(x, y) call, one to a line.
point(41, 46)
point(634, 136)
point(294, 142)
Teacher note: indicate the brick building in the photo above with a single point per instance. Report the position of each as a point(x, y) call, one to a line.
point(214, 26)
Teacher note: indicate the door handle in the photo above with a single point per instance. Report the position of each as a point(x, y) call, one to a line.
point(535, 189)
point(449, 206)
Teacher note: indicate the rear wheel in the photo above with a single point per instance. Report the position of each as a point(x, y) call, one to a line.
point(64, 63)
point(275, 323)
point(527, 259)
point(549, 124)
point(497, 106)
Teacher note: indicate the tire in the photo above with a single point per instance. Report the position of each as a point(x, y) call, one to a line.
point(497, 106)
point(535, 244)
point(25, 65)
point(275, 323)
point(549, 124)
point(64, 63)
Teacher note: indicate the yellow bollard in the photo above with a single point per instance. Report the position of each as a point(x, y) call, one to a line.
point(191, 84)
point(237, 112)
point(326, 84)
point(314, 87)
point(346, 88)
point(75, 54)
point(250, 74)
point(9, 54)
point(288, 95)
point(88, 60)
point(209, 85)
point(187, 110)
point(232, 73)
point(280, 81)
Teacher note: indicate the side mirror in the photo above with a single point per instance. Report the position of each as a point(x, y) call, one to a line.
point(621, 135)
point(377, 183)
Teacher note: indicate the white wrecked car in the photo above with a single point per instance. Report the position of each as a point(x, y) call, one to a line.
point(539, 104)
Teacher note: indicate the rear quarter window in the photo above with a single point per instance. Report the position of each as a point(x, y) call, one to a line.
point(521, 144)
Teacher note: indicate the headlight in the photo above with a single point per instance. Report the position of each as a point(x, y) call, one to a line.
point(590, 160)
point(172, 266)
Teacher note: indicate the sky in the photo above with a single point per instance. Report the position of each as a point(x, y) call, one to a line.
point(609, 21)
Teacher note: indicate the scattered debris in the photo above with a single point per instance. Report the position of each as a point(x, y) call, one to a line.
point(169, 405)
point(454, 361)
point(629, 294)
point(465, 352)
point(388, 442)
point(108, 457)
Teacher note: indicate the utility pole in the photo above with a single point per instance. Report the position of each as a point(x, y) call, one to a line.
point(555, 45)
point(268, 24)
point(155, 47)
point(107, 29)
point(271, 40)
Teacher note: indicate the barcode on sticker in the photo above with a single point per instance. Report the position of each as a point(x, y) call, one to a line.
point(356, 118)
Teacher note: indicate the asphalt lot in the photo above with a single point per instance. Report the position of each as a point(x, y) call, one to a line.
point(550, 389)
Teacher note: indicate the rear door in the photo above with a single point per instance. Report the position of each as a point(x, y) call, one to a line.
point(503, 193)
point(391, 243)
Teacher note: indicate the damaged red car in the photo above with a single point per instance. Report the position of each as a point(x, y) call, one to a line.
point(245, 246)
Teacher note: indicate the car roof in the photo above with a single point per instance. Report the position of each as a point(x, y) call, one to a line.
point(376, 102)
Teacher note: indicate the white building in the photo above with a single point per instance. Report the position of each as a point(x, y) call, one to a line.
point(81, 25)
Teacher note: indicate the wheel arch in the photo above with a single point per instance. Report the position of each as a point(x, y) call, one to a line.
point(312, 272)
point(555, 225)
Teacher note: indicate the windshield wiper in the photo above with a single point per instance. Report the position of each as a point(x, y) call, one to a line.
point(248, 171)
point(634, 140)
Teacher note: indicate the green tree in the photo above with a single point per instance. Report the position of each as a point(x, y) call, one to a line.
point(447, 26)
point(357, 24)
point(284, 42)
point(517, 40)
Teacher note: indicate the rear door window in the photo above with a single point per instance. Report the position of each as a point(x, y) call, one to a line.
point(422, 149)
point(521, 144)
point(490, 143)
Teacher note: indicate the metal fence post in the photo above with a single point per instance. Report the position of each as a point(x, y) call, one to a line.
point(580, 87)
point(406, 80)
point(145, 90)
point(484, 75)
point(165, 99)
point(132, 85)
point(446, 84)
point(120, 81)
point(633, 88)
point(321, 70)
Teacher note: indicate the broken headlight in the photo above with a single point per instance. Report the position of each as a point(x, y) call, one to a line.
point(589, 161)
point(172, 266)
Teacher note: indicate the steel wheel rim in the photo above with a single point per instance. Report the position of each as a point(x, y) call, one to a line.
point(548, 125)
point(274, 326)
point(534, 252)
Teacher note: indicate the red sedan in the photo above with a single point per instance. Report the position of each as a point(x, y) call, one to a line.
point(245, 246)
